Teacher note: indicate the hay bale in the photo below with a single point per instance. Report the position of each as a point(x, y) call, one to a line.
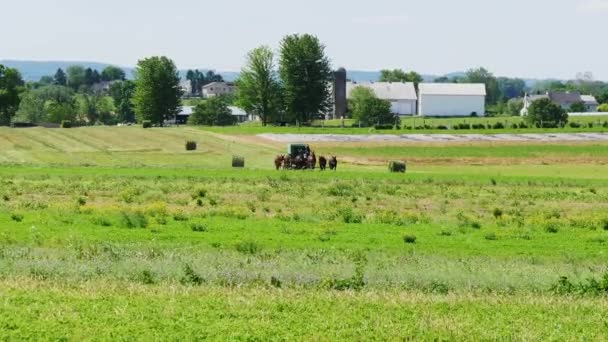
point(191, 145)
point(238, 161)
point(66, 124)
point(396, 166)
point(146, 124)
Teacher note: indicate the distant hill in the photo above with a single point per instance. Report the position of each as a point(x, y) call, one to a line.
point(34, 70)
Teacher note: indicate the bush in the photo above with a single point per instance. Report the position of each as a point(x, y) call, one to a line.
point(384, 126)
point(514, 126)
point(463, 125)
point(349, 216)
point(491, 236)
point(247, 247)
point(497, 212)
point(551, 227)
point(199, 227)
point(409, 239)
point(146, 124)
point(190, 145)
point(498, 125)
point(133, 219)
point(16, 217)
point(396, 166)
point(66, 124)
point(441, 127)
point(523, 125)
point(190, 277)
point(238, 161)
point(478, 126)
point(573, 124)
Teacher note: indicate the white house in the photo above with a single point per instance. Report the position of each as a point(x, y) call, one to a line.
point(563, 99)
point(402, 96)
point(590, 103)
point(218, 88)
point(451, 99)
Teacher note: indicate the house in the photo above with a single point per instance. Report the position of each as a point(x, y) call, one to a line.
point(590, 103)
point(402, 96)
point(451, 99)
point(240, 114)
point(564, 99)
point(217, 89)
point(184, 114)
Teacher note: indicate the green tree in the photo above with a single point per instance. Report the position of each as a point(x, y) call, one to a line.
point(481, 75)
point(514, 106)
point(398, 75)
point(510, 88)
point(97, 108)
point(368, 109)
point(112, 73)
point(91, 77)
point(32, 107)
point(578, 107)
point(305, 73)
point(258, 88)
point(545, 113)
point(51, 103)
point(60, 78)
point(11, 86)
point(213, 112)
point(603, 108)
point(76, 76)
point(122, 94)
point(157, 94)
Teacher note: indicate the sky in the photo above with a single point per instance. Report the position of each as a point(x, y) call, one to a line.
point(516, 38)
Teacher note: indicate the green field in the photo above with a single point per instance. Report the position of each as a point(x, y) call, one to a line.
point(120, 234)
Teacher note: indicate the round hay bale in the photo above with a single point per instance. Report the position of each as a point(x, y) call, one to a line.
point(238, 161)
point(396, 166)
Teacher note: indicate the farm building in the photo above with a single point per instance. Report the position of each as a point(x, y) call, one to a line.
point(402, 96)
point(217, 89)
point(564, 99)
point(451, 99)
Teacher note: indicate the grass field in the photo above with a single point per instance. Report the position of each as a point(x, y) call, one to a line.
point(119, 233)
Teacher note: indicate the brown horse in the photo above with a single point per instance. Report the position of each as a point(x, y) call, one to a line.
point(287, 162)
point(311, 161)
point(333, 163)
point(322, 163)
point(278, 161)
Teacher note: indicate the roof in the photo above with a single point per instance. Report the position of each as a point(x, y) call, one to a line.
point(589, 99)
point(186, 110)
point(236, 111)
point(387, 90)
point(219, 84)
point(464, 89)
point(564, 97)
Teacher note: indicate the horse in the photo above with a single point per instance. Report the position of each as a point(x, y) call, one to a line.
point(311, 161)
point(287, 162)
point(278, 161)
point(322, 163)
point(333, 163)
point(299, 162)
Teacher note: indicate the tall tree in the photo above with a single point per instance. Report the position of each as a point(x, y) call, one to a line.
point(11, 86)
point(211, 76)
point(122, 94)
point(368, 109)
point(213, 112)
point(157, 94)
point(91, 76)
point(398, 75)
point(481, 75)
point(305, 74)
point(76, 76)
point(258, 89)
point(112, 73)
point(60, 78)
point(545, 113)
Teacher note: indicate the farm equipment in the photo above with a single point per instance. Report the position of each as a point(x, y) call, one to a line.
point(298, 157)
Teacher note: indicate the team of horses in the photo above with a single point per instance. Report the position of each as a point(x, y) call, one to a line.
point(306, 161)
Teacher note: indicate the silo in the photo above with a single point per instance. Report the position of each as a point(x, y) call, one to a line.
point(339, 93)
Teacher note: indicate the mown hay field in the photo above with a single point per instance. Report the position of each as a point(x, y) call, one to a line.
point(120, 233)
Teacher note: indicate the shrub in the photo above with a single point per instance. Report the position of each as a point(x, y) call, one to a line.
point(574, 124)
point(199, 227)
point(478, 126)
point(491, 236)
point(396, 166)
point(384, 126)
point(604, 224)
point(190, 277)
point(247, 247)
point(275, 282)
point(180, 216)
point(16, 217)
point(498, 125)
point(146, 124)
point(190, 145)
point(551, 227)
point(514, 126)
point(590, 125)
point(66, 124)
point(146, 277)
point(199, 193)
point(409, 239)
point(441, 127)
point(238, 161)
point(523, 125)
point(349, 216)
point(133, 219)
point(497, 212)
point(81, 201)
point(463, 125)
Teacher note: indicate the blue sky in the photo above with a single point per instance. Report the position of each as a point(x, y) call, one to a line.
point(527, 38)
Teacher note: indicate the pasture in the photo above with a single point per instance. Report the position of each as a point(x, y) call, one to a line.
point(119, 233)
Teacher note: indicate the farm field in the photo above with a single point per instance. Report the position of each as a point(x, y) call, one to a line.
point(119, 233)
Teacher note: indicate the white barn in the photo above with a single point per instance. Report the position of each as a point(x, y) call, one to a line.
point(402, 96)
point(452, 99)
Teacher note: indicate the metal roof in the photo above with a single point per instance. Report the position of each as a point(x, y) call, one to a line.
point(236, 111)
point(564, 98)
point(387, 90)
point(465, 89)
point(186, 110)
point(589, 99)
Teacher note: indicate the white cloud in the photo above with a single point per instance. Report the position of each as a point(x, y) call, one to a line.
point(382, 20)
point(593, 6)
